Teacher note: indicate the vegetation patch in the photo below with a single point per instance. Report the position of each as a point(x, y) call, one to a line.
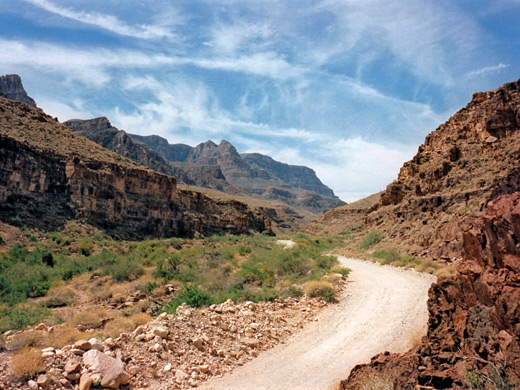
point(371, 238)
point(27, 363)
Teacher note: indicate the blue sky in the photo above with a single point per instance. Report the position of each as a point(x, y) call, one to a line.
point(349, 88)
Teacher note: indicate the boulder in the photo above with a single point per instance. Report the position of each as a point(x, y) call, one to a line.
point(110, 370)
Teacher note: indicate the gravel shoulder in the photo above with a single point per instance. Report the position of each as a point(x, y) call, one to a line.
point(381, 309)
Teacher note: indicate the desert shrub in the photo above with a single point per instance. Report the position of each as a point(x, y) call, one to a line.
point(26, 339)
point(321, 289)
point(59, 296)
point(149, 287)
point(326, 262)
point(64, 335)
point(2, 242)
point(428, 266)
point(388, 256)
point(124, 269)
point(27, 363)
point(190, 295)
point(92, 317)
point(168, 268)
point(84, 247)
point(371, 238)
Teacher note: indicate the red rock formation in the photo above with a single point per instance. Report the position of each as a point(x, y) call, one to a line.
point(473, 330)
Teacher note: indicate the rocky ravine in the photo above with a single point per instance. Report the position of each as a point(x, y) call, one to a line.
point(473, 330)
point(49, 174)
point(447, 183)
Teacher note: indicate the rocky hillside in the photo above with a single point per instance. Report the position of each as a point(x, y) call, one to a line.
point(473, 338)
point(299, 177)
point(49, 174)
point(214, 166)
point(448, 181)
point(266, 178)
point(11, 87)
point(101, 131)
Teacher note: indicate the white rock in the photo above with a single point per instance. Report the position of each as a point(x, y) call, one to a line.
point(180, 376)
point(110, 370)
point(167, 368)
point(160, 331)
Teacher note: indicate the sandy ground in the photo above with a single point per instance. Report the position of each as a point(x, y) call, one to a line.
point(382, 309)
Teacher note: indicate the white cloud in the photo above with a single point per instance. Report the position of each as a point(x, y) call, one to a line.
point(231, 38)
point(107, 22)
point(421, 36)
point(353, 167)
point(488, 69)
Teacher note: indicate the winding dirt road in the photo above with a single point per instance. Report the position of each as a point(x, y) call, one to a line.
point(381, 309)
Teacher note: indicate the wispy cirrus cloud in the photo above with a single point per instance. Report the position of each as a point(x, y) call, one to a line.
point(107, 22)
point(92, 65)
point(488, 69)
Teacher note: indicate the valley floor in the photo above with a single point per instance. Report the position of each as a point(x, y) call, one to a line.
point(382, 309)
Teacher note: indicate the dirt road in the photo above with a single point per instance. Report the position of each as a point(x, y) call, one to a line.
point(382, 309)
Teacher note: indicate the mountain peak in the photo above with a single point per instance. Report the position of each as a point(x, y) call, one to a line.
point(12, 88)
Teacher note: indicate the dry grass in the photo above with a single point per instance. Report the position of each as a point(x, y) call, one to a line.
point(125, 324)
point(375, 382)
point(447, 271)
point(62, 336)
point(319, 288)
point(92, 317)
point(159, 292)
point(30, 338)
point(60, 296)
point(26, 363)
point(415, 336)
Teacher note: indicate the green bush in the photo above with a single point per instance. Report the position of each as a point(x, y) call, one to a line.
point(388, 256)
point(371, 238)
point(21, 316)
point(190, 295)
point(124, 270)
point(1, 240)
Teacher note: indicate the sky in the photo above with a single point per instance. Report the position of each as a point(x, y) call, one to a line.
point(349, 88)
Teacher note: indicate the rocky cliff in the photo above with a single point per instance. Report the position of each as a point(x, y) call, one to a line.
point(473, 338)
point(449, 180)
point(11, 87)
point(299, 177)
point(266, 178)
point(101, 131)
point(214, 166)
point(49, 174)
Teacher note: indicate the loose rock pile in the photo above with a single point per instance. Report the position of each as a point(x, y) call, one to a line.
point(177, 351)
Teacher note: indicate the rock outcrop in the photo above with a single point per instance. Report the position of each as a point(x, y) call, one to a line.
point(473, 333)
point(49, 174)
point(11, 87)
point(450, 178)
point(299, 177)
point(101, 131)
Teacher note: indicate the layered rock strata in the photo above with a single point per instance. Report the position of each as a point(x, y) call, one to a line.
point(49, 174)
